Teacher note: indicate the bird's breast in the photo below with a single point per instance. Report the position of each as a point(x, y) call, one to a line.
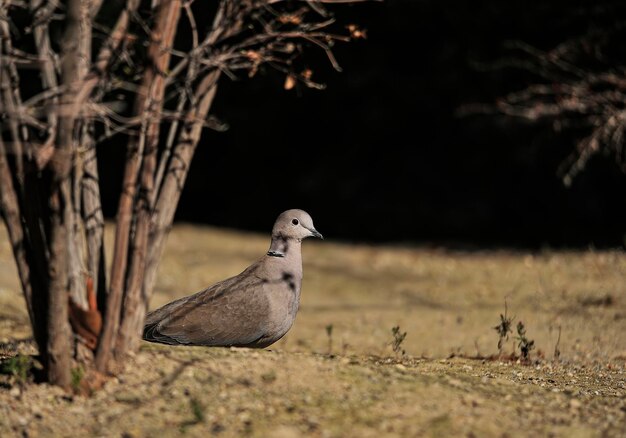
point(283, 298)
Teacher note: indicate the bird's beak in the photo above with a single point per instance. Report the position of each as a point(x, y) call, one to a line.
point(315, 233)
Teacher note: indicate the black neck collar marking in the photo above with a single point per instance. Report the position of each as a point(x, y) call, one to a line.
point(275, 254)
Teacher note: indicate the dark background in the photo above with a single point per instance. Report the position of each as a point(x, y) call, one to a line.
point(380, 154)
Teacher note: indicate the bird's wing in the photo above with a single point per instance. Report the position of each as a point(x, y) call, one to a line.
point(230, 312)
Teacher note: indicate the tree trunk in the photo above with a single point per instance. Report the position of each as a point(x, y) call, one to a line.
point(92, 217)
point(168, 15)
point(58, 347)
point(57, 350)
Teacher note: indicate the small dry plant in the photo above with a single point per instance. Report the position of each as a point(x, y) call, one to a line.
point(525, 345)
point(398, 339)
point(329, 335)
point(504, 328)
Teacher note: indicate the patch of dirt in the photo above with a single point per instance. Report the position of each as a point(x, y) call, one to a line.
point(351, 383)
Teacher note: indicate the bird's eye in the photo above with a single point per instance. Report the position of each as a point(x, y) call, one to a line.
point(295, 221)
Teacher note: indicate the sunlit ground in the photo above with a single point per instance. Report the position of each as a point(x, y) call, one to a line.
point(351, 383)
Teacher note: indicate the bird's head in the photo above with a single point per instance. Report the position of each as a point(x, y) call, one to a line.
point(295, 224)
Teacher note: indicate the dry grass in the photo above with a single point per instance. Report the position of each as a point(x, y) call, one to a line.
point(448, 303)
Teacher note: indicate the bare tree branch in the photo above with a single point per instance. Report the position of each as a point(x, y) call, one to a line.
point(48, 65)
point(9, 89)
point(579, 87)
point(106, 54)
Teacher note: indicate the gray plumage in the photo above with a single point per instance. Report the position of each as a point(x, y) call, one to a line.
point(253, 309)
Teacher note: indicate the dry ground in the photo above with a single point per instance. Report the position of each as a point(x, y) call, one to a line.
point(352, 383)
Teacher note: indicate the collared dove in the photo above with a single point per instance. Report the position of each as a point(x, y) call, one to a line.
point(253, 309)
